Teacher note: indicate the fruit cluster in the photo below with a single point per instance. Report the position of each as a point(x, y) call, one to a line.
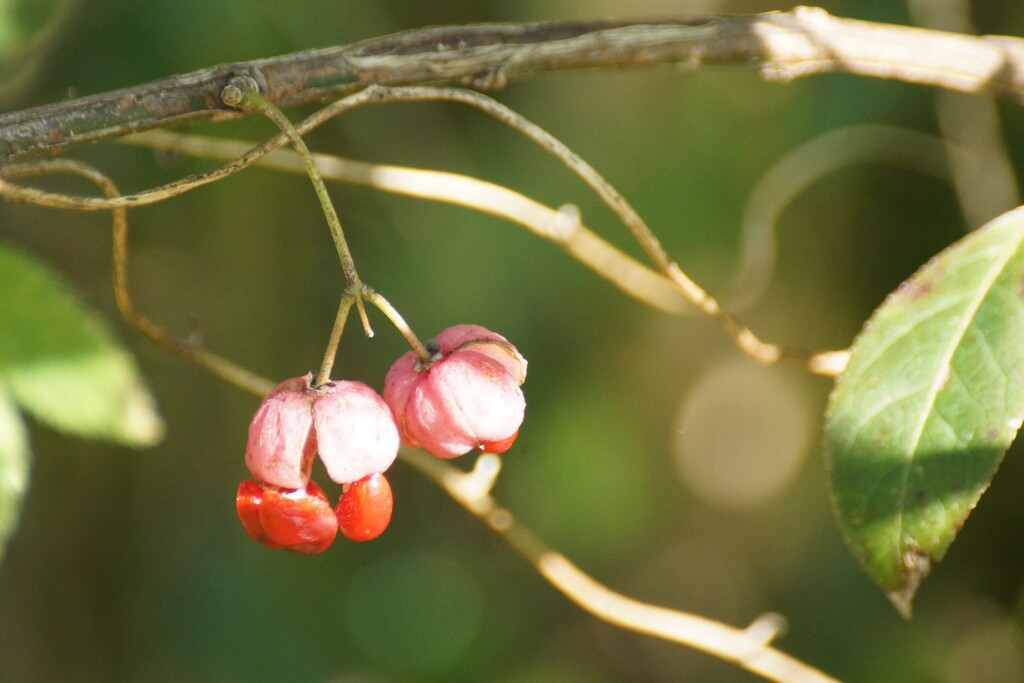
point(465, 397)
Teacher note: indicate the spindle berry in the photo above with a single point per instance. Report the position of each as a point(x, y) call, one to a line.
point(353, 431)
point(346, 422)
point(465, 397)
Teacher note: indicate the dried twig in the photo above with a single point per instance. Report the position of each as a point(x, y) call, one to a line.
point(563, 226)
point(784, 45)
point(828, 363)
point(748, 648)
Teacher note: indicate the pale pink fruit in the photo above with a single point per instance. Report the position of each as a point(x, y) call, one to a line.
point(466, 397)
point(355, 431)
point(282, 442)
point(347, 422)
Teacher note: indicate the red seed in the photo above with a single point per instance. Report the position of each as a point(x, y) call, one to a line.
point(299, 520)
point(364, 509)
point(499, 446)
point(247, 502)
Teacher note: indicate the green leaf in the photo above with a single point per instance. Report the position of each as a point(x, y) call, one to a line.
point(14, 458)
point(931, 399)
point(62, 365)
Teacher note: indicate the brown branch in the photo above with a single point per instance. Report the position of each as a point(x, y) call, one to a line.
point(750, 648)
point(784, 45)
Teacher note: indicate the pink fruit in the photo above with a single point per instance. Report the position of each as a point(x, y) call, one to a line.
point(364, 510)
point(355, 431)
point(467, 397)
point(282, 441)
point(355, 434)
point(347, 422)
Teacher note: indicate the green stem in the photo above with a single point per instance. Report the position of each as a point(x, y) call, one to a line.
point(242, 92)
point(398, 321)
point(324, 376)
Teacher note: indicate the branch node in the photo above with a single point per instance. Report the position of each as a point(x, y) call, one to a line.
point(478, 483)
point(489, 79)
point(829, 363)
point(234, 92)
point(567, 220)
point(803, 14)
point(767, 627)
point(500, 520)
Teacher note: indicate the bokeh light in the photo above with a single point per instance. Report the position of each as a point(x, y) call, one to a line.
point(743, 431)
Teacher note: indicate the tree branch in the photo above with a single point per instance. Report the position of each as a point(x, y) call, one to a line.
point(784, 45)
point(750, 648)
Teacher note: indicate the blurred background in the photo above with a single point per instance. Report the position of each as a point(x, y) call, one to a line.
point(654, 454)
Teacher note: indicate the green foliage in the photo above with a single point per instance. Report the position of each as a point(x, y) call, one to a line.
point(13, 465)
point(13, 28)
point(61, 365)
point(929, 403)
point(27, 32)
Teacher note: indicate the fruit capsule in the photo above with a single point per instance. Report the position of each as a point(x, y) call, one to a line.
point(465, 397)
point(346, 422)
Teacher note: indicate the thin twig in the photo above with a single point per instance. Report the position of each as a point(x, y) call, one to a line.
point(564, 226)
point(178, 187)
point(783, 45)
point(392, 314)
point(748, 648)
point(243, 93)
point(828, 363)
point(330, 353)
point(215, 364)
point(748, 342)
